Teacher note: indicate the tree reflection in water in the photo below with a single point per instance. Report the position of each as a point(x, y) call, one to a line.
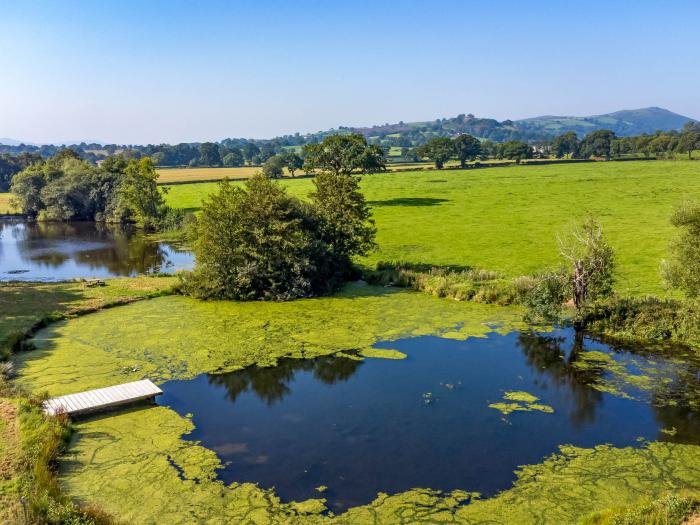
point(272, 384)
point(82, 249)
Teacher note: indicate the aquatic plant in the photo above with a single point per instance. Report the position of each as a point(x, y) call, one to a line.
point(520, 402)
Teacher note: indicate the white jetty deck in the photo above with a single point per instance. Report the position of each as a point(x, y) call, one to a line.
point(102, 398)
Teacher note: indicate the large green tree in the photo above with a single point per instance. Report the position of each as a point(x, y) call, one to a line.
point(258, 242)
point(343, 155)
point(688, 142)
point(514, 150)
point(466, 148)
point(233, 158)
point(682, 271)
point(565, 144)
point(274, 167)
point(209, 154)
point(346, 221)
point(293, 162)
point(10, 165)
point(140, 197)
point(253, 242)
point(438, 149)
point(597, 144)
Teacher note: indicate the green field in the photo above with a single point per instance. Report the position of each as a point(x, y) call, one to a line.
point(136, 464)
point(6, 206)
point(507, 218)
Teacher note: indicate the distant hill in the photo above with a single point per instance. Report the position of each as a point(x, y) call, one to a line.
point(395, 137)
point(9, 142)
point(623, 123)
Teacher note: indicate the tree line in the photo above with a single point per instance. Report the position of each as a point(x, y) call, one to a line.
point(66, 187)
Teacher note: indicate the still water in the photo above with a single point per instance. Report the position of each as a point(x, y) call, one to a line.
point(364, 426)
point(60, 251)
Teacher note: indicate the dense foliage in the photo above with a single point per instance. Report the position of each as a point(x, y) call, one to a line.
point(258, 242)
point(587, 276)
point(66, 187)
point(343, 155)
point(11, 165)
point(683, 270)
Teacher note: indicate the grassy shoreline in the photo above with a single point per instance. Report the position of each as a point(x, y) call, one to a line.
point(30, 442)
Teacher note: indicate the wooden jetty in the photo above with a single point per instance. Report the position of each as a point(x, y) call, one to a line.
point(102, 398)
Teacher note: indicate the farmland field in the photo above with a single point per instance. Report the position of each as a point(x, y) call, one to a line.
point(6, 205)
point(507, 219)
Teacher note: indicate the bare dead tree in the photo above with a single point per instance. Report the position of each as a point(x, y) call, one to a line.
point(591, 259)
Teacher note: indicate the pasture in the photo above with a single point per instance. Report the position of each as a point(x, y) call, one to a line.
point(507, 219)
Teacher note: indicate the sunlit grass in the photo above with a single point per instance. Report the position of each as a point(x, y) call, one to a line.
point(506, 219)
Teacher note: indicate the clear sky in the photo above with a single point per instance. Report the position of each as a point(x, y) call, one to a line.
point(152, 71)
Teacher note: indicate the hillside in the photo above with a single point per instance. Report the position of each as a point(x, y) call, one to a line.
point(624, 123)
point(402, 134)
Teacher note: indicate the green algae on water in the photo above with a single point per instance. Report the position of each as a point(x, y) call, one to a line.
point(136, 465)
point(521, 402)
point(179, 337)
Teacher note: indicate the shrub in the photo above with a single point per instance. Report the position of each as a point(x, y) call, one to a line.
point(545, 296)
point(683, 270)
point(672, 509)
point(648, 318)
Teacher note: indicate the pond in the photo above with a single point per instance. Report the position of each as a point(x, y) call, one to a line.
point(50, 251)
point(451, 415)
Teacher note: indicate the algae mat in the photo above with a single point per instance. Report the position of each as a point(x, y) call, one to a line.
point(136, 465)
point(179, 338)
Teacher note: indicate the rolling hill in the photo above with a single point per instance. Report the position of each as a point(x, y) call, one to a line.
point(624, 123)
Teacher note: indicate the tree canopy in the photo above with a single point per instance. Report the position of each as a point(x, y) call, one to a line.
point(257, 242)
point(66, 187)
point(439, 150)
point(597, 144)
point(683, 270)
point(565, 144)
point(466, 148)
point(343, 155)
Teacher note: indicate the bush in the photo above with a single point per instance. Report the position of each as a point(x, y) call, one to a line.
point(647, 318)
point(683, 270)
point(672, 509)
point(482, 286)
point(545, 296)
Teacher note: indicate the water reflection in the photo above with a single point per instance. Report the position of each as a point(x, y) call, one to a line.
point(57, 251)
point(361, 427)
point(272, 384)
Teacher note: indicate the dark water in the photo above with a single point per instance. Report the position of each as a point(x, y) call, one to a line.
point(360, 427)
point(60, 251)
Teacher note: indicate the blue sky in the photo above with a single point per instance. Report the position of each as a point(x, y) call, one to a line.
point(168, 71)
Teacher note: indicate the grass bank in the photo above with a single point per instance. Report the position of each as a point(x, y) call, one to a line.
point(29, 306)
point(507, 219)
point(31, 443)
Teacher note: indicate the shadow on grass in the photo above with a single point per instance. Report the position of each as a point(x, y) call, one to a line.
point(409, 201)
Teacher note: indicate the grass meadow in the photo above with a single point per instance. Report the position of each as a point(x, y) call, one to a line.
point(507, 219)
